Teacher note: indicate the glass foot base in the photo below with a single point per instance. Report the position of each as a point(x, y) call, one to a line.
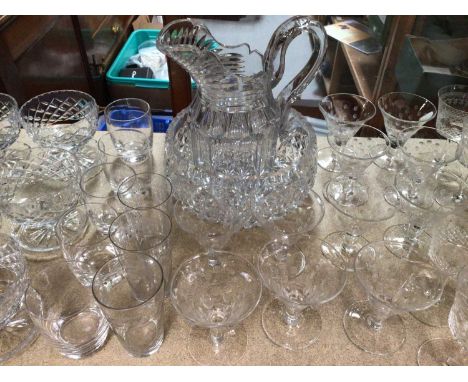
point(327, 161)
point(297, 337)
point(389, 163)
point(442, 352)
point(386, 339)
point(391, 196)
point(415, 248)
point(347, 192)
point(345, 245)
point(437, 315)
point(37, 239)
point(17, 335)
point(231, 350)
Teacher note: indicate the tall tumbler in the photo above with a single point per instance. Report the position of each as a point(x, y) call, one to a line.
point(130, 292)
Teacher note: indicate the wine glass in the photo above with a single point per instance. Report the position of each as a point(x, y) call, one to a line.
point(404, 114)
point(9, 121)
point(300, 279)
point(344, 115)
point(393, 285)
point(215, 294)
point(452, 352)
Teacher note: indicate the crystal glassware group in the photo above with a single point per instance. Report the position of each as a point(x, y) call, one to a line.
point(101, 204)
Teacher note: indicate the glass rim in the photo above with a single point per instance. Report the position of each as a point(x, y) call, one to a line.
point(218, 253)
point(139, 250)
point(327, 115)
point(122, 102)
point(444, 90)
point(388, 115)
point(120, 192)
point(102, 170)
point(117, 258)
point(101, 146)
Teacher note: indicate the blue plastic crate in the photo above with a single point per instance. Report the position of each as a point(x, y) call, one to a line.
point(160, 123)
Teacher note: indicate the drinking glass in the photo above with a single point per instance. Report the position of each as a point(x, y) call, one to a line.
point(146, 190)
point(215, 294)
point(36, 188)
point(451, 352)
point(66, 119)
point(88, 155)
point(9, 121)
point(65, 311)
point(85, 247)
point(130, 292)
point(404, 114)
point(16, 328)
point(453, 108)
point(301, 279)
point(344, 115)
point(144, 231)
point(130, 113)
point(394, 285)
point(98, 187)
point(354, 157)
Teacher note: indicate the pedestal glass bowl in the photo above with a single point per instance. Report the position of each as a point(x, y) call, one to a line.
point(215, 294)
point(300, 279)
point(9, 121)
point(65, 119)
point(344, 115)
point(35, 190)
point(16, 328)
point(404, 114)
point(394, 285)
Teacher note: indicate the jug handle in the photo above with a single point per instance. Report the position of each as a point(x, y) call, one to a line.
point(275, 54)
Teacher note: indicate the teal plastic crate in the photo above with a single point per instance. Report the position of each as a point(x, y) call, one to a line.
point(129, 49)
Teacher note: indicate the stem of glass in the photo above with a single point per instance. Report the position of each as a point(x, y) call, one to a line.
point(217, 337)
point(292, 314)
point(378, 314)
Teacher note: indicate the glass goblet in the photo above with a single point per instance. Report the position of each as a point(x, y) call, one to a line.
point(451, 352)
point(394, 285)
point(16, 328)
point(66, 119)
point(453, 108)
point(215, 296)
point(300, 279)
point(404, 114)
point(355, 156)
point(9, 121)
point(344, 115)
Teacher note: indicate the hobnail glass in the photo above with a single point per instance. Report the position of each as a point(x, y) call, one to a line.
point(215, 294)
point(393, 285)
point(16, 328)
point(66, 119)
point(9, 121)
point(453, 108)
point(404, 114)
point(36, 189)
point(300, 279)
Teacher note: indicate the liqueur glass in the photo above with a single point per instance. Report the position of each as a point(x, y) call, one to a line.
point(394, 285)
point(344, 114)
point(85, 246)
point(300, 279)
point(36, 187)
point(215, 294)
point(403, 114)
point(9, 121)
point(16, 328)
point(65, 119)
point(65, 311)
point(453, 108)
point(99, 186)
point(130, 292)
point(451, 352)
point(130, 113)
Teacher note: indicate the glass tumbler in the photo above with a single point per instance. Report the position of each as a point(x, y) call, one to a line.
point(144, 231)
point(453, 108)
point(130, 292)
point(130, 113)
point(65, 311)
point(9, 120)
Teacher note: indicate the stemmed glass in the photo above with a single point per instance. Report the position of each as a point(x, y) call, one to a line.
point(301, 279)
point(404, 114)
point(9, 121)
point(394, 285)
point(452, 352)
point(344, 114)
point(16, 328)
point(215, 294)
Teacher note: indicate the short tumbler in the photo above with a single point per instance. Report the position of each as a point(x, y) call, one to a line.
point(130, 291)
